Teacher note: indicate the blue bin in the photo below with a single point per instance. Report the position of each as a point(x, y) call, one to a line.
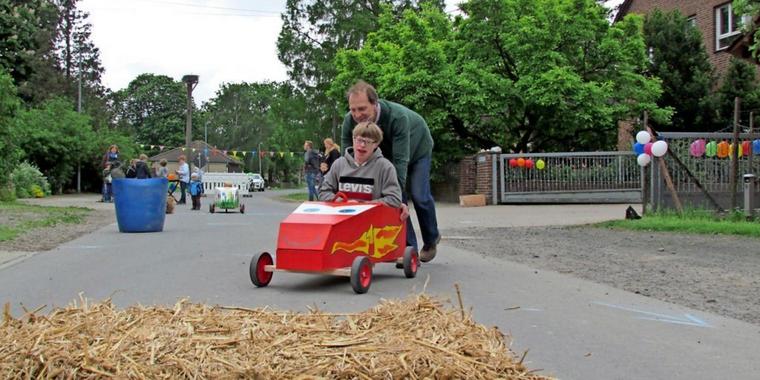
point(140, 204)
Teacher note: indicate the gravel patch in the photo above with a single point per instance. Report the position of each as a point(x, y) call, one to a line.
point(46, 238)
point(713, 273)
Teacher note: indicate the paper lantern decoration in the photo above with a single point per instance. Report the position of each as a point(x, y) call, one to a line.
point(512, 163)
point(521, 162)
point(697, 148)
point(529, 164)
point(731, 151)
point(756, 146)
point(711, 149)
point(746, 148)
point(659, 148)
point(638, 148)
point(540, 164)
point(722, 149)
point(643, 159)
point(643, 137)
point(648, 148)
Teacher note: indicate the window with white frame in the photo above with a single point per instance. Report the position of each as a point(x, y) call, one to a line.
point(727, 26)
point(692, 20)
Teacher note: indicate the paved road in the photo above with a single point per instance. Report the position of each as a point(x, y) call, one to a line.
point(574, 329)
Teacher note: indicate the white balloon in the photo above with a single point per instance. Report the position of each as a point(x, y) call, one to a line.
point(659, 148)
point(643, 137)
point(643, 159)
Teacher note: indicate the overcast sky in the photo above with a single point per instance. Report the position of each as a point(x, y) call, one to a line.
point(221, 41)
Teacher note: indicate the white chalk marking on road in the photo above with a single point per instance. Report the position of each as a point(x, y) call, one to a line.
point(228, 224)
point(687, 319)
point(467, 221)
point(530, 309)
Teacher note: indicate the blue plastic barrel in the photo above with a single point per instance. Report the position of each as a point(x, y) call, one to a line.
point(140, 204)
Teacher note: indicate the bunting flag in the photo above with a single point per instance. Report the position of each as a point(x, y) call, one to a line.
point(214, 151)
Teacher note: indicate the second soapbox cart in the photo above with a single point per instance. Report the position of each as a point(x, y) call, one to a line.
point(226, 198)
point(338, 238)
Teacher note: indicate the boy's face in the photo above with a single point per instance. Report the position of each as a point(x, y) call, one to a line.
point(363, 148)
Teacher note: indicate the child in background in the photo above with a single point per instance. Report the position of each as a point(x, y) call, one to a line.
point(196, 189)
point(107, 189)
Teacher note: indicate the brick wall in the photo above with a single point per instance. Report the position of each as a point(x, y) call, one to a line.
point(475, 175)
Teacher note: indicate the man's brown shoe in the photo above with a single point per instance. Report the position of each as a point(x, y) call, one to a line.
point(428, 251)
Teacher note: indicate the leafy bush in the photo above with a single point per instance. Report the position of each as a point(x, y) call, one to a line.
point(29, 181)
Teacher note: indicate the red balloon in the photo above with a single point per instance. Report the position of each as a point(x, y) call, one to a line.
point(529, 164)
point(521, 162)
point(648, 148)
point(512, 163)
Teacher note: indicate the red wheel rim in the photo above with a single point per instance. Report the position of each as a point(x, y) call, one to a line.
point(365, 276)
point(415, 263)
point(261, 273)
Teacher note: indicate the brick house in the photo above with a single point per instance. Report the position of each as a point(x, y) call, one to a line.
point(714, 18)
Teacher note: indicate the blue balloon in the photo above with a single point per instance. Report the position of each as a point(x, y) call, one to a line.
point(638, 148)
point(756, 146)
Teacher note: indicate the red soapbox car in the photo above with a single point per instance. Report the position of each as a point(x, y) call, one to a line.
point(338, 238)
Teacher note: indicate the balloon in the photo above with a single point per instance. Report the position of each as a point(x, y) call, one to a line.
point(731, 151)
point(643, 137)
point(697, 148)
point(711, 149)
point(521, 162)
point(643, 159)
point(648, 148)
point(540, 164)
point(638, 148)
point(529, 164)
point(659, 148)
point(756, 146)
point(512, 163)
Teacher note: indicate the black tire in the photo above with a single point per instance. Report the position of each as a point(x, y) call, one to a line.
point(211, 208)
point(411, 262)
point(242, 209)
point(361, 274)
point(259, 276)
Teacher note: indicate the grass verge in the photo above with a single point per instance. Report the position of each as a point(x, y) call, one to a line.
point(17, 218)
point(296, 197)
point(692, 221)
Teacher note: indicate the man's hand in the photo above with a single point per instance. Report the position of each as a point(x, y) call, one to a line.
point(404, 211)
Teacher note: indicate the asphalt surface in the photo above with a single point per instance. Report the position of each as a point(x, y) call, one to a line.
point(573, 329)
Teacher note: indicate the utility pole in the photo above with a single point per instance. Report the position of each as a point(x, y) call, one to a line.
point(259, 153)
point(79, 110)
point(191, 81)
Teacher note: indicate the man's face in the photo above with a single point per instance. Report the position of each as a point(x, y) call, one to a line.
point(360, 107)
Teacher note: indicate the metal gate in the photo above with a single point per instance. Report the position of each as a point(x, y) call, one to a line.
point(571, 177)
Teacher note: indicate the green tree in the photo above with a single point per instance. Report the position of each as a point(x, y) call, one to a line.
point(56, 139)
point(311, 35)
point(153, 109)
point(687, 79)
point(9, 104)
point(739, 81)
point(521, 74)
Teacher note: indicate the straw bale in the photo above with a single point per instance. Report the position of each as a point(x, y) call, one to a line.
point(413, 338)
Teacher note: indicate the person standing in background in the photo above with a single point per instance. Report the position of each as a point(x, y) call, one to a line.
point(332, 153)
point(310, 168)
point(184, 178)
